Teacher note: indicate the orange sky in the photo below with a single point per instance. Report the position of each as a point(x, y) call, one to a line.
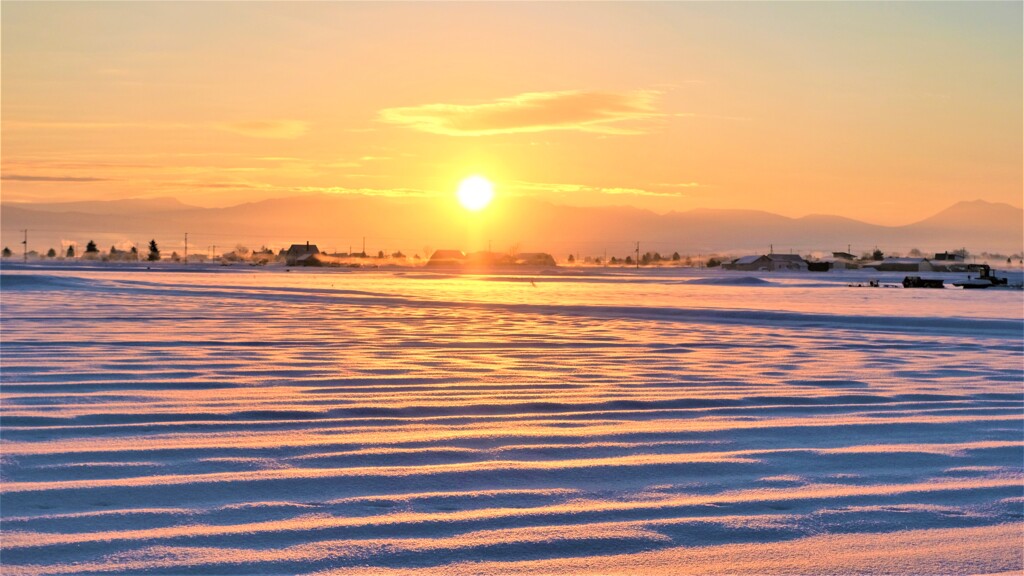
point(881, 112)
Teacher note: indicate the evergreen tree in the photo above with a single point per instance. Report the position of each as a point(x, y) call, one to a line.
point(675, 257)
point(51, 253)
point(572, 259)
point(91, 247)
point(154, 251)
point(877, 255)
point(7, 252)
point(71, 251)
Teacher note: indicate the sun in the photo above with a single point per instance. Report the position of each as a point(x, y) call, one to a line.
point(475, 193)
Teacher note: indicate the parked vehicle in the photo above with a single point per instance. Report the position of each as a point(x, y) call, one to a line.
point(985, 279)
point(918, 282)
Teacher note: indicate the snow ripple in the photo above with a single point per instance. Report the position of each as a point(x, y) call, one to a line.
point(362, 423)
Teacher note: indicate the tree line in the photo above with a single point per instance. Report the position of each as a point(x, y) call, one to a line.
point(92, 251)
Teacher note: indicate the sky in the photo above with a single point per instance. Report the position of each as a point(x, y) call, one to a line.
point(884, 112)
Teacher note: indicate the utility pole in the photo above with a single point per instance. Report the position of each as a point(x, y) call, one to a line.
point(637, 254)
point(771, 249)
point(24, 250)
point(186, 248)
point(364, 245)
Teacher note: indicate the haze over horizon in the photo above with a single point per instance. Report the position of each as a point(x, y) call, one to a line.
point(530, 224)
point(884, 113)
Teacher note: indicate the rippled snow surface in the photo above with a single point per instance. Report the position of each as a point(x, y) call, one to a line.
point(229, 421)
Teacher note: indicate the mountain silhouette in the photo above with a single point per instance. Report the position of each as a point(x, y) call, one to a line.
point(413, 225)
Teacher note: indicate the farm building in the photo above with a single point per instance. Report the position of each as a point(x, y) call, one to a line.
point(299, 254)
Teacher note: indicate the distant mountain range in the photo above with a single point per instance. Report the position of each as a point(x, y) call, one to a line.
point(413, 225)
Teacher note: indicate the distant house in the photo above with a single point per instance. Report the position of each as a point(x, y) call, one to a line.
point(905, 265)
point(843, 261)
point(787, 262)
point(768, 263)
point(750, 263)
point(949, 257)
point(458, 259)
point(447, 258)
point(301, 254)
point(535, 259)
point(486, 259)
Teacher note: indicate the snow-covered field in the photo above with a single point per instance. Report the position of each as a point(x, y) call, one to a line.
point(242, 421)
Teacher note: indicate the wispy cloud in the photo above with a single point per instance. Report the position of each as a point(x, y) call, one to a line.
point(389, 192)
point(680, 185)
point(542, 187)
point(25, 178)
point(285, 129)
point(272, 189)
point(58, 125)
point(600, 112)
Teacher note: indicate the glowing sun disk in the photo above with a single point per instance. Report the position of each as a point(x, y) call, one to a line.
point(475, 193)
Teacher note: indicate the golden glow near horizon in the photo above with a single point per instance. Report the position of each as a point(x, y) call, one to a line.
point(475, 193)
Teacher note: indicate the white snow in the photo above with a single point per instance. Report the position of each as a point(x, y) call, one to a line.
point(243, 421)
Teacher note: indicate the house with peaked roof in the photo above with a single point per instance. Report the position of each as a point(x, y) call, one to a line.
point(905, 265)
point(535, 259)
point(787, 262)
point(299, 254)
point(447, 258)
point(768, 263)
point(949, 257)
point(843, 261)
point(753, 263)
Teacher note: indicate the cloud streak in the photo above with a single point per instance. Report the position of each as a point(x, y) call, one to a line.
point(387, 192)
point(681, 185)
point(26, 178)
point(286, 129)
point(540, 187)
point(280, 129)
point(600, 112)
